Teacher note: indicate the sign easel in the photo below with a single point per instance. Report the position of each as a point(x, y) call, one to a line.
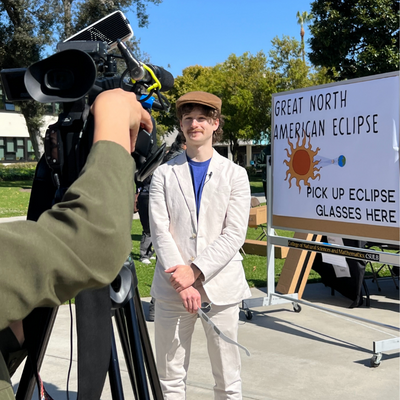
point(323, 177)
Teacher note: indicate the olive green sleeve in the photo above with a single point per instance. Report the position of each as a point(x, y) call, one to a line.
point(80, 243)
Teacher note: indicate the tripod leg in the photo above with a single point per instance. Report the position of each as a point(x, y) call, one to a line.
point(36, 342)
point(114, 374)
point(148, 352)
point(133, 334)
point(136, 350)
point(123, 336)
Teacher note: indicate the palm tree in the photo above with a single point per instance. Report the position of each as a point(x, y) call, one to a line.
point(303, 18)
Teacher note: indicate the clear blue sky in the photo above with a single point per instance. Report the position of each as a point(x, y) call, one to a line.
point(182, 33)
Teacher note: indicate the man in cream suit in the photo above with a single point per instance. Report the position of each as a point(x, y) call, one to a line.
point(199, 210)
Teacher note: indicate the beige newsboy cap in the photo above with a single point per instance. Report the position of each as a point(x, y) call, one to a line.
point(204, 98)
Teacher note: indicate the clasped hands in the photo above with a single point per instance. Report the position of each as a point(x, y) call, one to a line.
point(182, 278)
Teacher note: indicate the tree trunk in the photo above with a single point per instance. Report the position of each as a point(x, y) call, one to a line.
point(33, 112)
point(37, 143)
point(67, 4)
point(233, 143)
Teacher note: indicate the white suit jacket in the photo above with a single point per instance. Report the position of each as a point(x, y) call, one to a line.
point(212, 242)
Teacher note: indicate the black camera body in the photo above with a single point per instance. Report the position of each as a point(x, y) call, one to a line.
point(82, 68)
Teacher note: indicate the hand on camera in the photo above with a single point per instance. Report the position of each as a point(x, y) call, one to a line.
point(118, 116)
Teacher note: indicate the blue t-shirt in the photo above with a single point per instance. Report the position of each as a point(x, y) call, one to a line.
point(199, 173)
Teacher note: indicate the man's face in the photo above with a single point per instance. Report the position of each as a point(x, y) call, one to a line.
point(197, 127)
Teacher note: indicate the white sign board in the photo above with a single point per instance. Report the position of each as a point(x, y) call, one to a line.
point(335, 156)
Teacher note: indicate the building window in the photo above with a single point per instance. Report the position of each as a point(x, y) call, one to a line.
point(10, 145)
point(19, 154)
point(30, 150)
point(16, 150)
point(9, 106)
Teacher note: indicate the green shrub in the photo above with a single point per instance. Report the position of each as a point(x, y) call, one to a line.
point(17, 172)
point(252, 172)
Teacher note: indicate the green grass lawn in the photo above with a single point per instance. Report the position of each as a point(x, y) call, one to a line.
point(256, 185)
point(14, 200)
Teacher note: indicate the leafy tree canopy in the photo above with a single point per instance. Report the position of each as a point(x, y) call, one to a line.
point(355, 38)
point(285, 58)
point(25, 27)
point(90, 11)
point(244, 84)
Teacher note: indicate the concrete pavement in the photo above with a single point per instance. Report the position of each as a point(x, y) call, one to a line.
point(311, 355)
point(12, 219)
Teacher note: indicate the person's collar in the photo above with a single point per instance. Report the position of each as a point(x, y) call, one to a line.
point(200, 154)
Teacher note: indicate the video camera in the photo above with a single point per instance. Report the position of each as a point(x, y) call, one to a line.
point(84, 66)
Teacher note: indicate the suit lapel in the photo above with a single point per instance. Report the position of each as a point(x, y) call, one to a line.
point(182, 172)
point(212, 184)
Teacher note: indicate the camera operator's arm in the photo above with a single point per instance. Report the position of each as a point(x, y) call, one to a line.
point(83, 241)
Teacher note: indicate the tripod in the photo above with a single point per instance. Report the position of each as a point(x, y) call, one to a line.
point(131, 325)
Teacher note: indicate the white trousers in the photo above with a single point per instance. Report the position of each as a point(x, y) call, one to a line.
point(174, 326)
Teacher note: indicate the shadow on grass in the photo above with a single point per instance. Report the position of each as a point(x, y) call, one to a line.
point(136, 237)
point(26, 185)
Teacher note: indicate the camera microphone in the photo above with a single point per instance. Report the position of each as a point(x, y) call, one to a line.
point(139, 73)
point(166, 78)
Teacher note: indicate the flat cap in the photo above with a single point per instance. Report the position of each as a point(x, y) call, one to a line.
point(203, 98)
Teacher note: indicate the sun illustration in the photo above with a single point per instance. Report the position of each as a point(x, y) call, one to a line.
point(301, 164)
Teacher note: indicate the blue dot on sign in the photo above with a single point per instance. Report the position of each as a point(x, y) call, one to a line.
point(342, 161)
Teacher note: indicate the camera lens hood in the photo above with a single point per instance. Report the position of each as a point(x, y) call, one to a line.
point(66, 76)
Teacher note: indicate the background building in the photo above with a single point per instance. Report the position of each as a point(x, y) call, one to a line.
point(15, 144)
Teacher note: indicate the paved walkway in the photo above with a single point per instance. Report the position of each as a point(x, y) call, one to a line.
point(11, 219)
point(311, 355)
